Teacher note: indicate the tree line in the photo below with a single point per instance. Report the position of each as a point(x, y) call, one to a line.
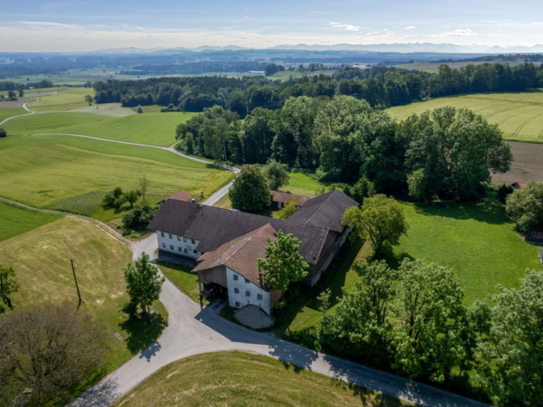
point(380, 86)
point(6, 86)
point(448, 153)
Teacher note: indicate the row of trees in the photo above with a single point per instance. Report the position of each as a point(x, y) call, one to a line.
point(380, 86)
point(4, 86)
point(448, 153)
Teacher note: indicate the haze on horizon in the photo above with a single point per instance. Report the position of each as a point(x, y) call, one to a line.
point(68, 26)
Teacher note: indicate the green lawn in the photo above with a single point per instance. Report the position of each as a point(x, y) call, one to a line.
point(156, 129)
point(65, 99)
point(41, 259)
point(52, 171)
point(242, 379)
point(302, 184)
point(183, 279)
point(16, 221)
point(10, 112)
point(519, 115)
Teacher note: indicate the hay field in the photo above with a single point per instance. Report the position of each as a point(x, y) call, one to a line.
point(105, 109)
point(65, 99)
point(10, 112)
point(49, 171)
point(519, 115)
point(41, 259)
point(156, 129)
point(16, 221)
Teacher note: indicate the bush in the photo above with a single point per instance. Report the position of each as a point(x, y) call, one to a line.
point(525, 207)
point(139, 109)
point(139, 217)
point(113, 199)
point(3, 133)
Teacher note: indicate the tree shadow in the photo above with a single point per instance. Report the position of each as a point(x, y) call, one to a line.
point(142, 330)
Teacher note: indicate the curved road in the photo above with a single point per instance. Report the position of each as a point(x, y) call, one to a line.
point(193, 330)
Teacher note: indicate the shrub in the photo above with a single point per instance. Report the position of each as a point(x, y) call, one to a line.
point(113, 199)
point(139, 217)
point(504, 191)
point(3, 133)
point(525, 207)
point(139, 109)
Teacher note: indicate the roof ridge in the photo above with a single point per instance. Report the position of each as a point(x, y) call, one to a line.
point(321, 205)
point(254, 234)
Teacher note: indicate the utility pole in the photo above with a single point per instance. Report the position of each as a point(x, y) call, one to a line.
point(76, 285)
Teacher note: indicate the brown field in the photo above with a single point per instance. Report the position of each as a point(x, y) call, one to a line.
point(528, 164)
point(14, 103)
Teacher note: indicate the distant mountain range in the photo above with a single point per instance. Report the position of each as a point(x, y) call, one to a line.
point(407, 48)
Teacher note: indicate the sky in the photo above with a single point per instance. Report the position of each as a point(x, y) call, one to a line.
point(69, 26)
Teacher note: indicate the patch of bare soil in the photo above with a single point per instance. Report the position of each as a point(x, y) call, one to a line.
point(14, 103)
point(528, 164)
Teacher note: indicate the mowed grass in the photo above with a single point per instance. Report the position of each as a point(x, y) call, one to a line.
point(50, 171)
point(15, 221)
point(157, 129)
point(65, 99)
point(41, 259)
point(105, 109)
point(183, 279)
point(10, 112)
point(242, 379)
point(519, 115)
point(302, 184)
point(473, 239)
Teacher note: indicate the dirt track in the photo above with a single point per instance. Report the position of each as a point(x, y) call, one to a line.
point(528, 164)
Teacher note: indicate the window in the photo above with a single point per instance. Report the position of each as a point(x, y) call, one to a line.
point(179, 238)
point(171, 247)
point(259, 296)
point(236, 277)
point(164, 245)
point(247, 280)
point(162, 234)
point(193, 242)
point(180, 249)
point(236, 290)
point(170, 235)
point(194, 251)
point(185, 239)
point(247, 293)
point(238, 304)
point(186, 251)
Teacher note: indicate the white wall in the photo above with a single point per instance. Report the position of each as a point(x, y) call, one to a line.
point(177, 244)
point(241, 297)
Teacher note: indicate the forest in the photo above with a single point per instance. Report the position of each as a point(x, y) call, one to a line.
point(380, 86)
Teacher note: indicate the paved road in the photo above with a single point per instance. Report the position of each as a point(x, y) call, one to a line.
point(192, 330)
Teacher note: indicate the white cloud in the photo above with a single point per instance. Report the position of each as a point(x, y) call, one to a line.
point(457, 33)
point(346, 27)
point(411, 27)
point(140, 28)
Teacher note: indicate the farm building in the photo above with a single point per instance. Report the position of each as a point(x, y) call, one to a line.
point(280, 199)
point(227, 243)
point(178, 196)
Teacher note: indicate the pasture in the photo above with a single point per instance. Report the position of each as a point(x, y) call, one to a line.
point(7, 112)
point(105, 109)
point(519, 115)
point(41, 259)
point(52, 171)
point(243, 379)
point(156, 129)
point(16, 221)
point(65, 99)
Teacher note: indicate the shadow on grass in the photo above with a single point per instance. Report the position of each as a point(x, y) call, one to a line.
point(142, 329)
point(486, 209)
point(368, 397)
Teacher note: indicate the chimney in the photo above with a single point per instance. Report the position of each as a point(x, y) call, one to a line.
point(193, 200)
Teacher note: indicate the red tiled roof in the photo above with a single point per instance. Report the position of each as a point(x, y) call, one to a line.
point(241, 254)
point(285, 197)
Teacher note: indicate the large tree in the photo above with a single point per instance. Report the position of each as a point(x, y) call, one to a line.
point(277, 174)
point(283, 263)
point(451, 153)
point(143, 282)
point(430, 313)
point(46, 351)
point(250, 192)
point(379, 219)
point(360, 325)
point(8, 285)
point(525, 207)
point(512, 353)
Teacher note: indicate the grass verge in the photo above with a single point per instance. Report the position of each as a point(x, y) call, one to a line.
point(237, 378)
point(183, 279)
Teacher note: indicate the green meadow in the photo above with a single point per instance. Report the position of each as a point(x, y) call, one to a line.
point(71, 173)
point(519, 115)
point(156, 129)
point(16, 221)
point(10, 112)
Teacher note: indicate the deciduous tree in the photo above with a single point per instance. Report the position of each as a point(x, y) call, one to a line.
point(283, 263)
point(89, 99)
point(250, 192)
point(379, 219)
point(143, 282)
point(144, 185)
point(277, 174)
point(8, 285)
point(132, 197)
point(525, 207)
